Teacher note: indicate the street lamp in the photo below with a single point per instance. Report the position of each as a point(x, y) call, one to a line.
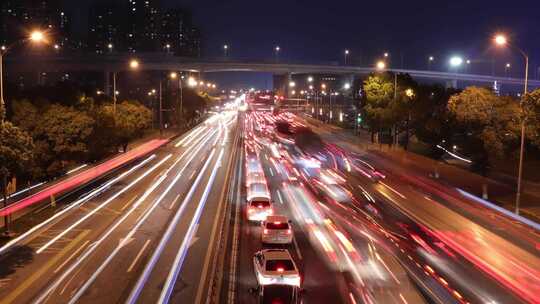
point(501, 40)
point(110, 47)
point(346, 55)
point(456, 61)
point(225, 49)
point(430, 60)
point(134, 64)
point(310, 79)
point(192, 82)
point(386, 55)
point(347, 86)
point(381, 65)
point(292, 84)
point(276, 51)
point(35, 36)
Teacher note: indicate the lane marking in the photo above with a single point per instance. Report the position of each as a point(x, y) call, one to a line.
point(279, 196)
point(129, 202)
point(214, 229)
point(138, 256)
point(9, 244)
point(167, 290)
point(393, 190)
point(71, 256)
point(137, 289)
point(36, 275)
point(176, 198)
point(130, 234)
point(102, 205)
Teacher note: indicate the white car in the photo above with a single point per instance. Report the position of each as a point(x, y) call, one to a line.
point(258, 208)
point(275, 266)
point(276, 229)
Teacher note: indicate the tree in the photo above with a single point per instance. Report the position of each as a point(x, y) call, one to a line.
point(531, 105)
point(63, 133)
point(131, 120)
point(490, 123)
point(383, 107)
point(15, 153)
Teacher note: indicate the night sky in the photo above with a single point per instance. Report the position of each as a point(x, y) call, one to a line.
point(319, 31)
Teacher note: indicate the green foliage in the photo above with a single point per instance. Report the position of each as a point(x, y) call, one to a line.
point(531, 106)
point(131, 120)
point(488, 119)
point(15, 149)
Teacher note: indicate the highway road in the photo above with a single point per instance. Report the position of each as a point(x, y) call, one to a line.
point(144, 235)
point(172, 227)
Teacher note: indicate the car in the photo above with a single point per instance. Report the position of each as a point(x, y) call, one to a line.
point(278, 294)
point(275, 266)
point(276, 229)
point(259, 203)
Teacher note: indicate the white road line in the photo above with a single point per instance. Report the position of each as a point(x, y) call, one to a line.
point(129, 202)
point(71, 256)
point(271, 171)
point(146, 213)
point(135, 292)
point(95, 245)
point(174, 201)
point(9, 244)
point(236, 229)
point(182, 252)
point(393, 190)
point(138, 256)
point(102, 205)
point(297, 248)
point(280, 199)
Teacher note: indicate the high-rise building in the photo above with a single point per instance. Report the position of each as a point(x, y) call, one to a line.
point(105, 30)
point(142, 32)
point(177, 31)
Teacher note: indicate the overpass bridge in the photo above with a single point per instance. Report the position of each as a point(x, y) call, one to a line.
point(162, 62)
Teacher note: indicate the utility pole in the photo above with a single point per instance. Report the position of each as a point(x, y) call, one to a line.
point(114, 93)
point(160, 108)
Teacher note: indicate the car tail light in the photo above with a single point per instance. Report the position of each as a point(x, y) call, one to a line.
point(280, 269)
point(265, 231)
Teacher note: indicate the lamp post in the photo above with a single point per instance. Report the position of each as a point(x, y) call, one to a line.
point(225, 50)
point(179, 96)
point(346, 55)
point(501, 40)
point(506, 68)
point(455, 62)
point(36, 37)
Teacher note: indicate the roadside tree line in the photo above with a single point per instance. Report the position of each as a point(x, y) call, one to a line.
point(484, 125)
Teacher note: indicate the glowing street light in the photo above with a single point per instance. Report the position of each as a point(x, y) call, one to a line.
point(323, 86)
point(134, 64)
point(500, 39)
point(310, 79)
point(381, 65)
point(386, 55)
point(225, 49)
point(347, 86)
point(456, 61)
point(56, 47)
point(468, 61)
point(37, 36)
point(431, 58)
point(292, 84)
point(346, 55)
point(110, 46)
point(192, 82)
point(173, 75)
